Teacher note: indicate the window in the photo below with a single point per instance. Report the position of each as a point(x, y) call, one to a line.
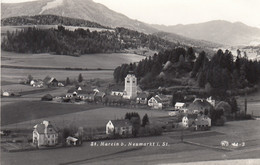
point(133, 81)
point(128, 81)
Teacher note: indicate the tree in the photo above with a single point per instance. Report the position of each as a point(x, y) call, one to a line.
point(145, 120)
point(80, 78)
point(67, 81)
point(29, 78)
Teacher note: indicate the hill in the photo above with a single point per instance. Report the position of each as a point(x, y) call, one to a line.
point(48, 20)
point(222, 32)
point(80, 9)
point(65, 42)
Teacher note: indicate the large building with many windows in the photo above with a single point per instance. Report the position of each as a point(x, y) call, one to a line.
point(45, 134)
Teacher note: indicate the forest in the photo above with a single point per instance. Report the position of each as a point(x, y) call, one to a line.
point(218, 74)
point(61, 41)
point(48, 20)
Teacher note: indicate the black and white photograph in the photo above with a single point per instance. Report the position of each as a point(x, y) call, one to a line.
point(130, 82)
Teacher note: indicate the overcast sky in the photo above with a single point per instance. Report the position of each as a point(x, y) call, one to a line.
point(172, 12)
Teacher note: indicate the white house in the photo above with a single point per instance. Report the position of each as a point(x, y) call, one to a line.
point(45, 134)
point(130, 87)
point(179, 105)
point(159, 101)
point(155, 103)
point(119, 127)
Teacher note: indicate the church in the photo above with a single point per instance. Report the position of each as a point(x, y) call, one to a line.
point(130, 91)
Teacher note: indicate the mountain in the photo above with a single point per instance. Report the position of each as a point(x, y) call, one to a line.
point(217, 31)
point(81, 9)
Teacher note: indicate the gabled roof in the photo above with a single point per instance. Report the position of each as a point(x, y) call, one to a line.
point(121, 123)
point(48, 80)
point(157, 99)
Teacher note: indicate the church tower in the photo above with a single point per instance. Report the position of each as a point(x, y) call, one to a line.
point(130, 86)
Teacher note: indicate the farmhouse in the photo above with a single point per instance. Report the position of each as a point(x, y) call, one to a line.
point(142, 98)
point(189, 120)
point(50, 81)
point(119, 127)
point(159, 101)
point(203, 122)
point(200, 105)
point(45, 134)
point(179, 105)
point(117, 91)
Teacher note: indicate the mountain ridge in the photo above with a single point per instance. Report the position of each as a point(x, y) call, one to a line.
point(85, 9)
point(218, 31)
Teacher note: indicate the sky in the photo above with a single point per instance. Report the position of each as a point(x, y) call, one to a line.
point(172, 12)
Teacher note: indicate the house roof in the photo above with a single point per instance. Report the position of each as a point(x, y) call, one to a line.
point(121, 123)
point(179, 104)
point(100, 94)
point(142, 95)
point(162, 97)
point(40, 128)
point(200, 104)
point(117, 88)
point(48, 80)
point(72, 139)
point(157, 99)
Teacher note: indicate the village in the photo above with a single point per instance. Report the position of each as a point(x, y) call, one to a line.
point(194, 115)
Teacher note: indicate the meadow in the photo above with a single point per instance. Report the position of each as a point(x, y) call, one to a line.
point(28, 113)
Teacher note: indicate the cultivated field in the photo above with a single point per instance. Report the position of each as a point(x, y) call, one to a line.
point(89, 61)
point(28, 114)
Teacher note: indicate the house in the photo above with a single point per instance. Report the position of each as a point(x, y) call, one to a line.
point(189, 120)
point(7, 94)
point(159, 101)
point(200, 105)
point(82, 92)
point(179, 105)
point(119, 127)
point(155, 103)
point(117, 91)
point(45, 134)
point(71, 141)
point(50, 81)
point(142, 98)
point(203, 122)
point(99, 96)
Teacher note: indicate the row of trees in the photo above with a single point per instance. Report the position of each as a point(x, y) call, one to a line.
point(224, 73)
point(80, 41)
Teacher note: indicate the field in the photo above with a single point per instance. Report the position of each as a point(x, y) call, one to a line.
point(90, 61)
point(174, 152)
point(81, 114)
